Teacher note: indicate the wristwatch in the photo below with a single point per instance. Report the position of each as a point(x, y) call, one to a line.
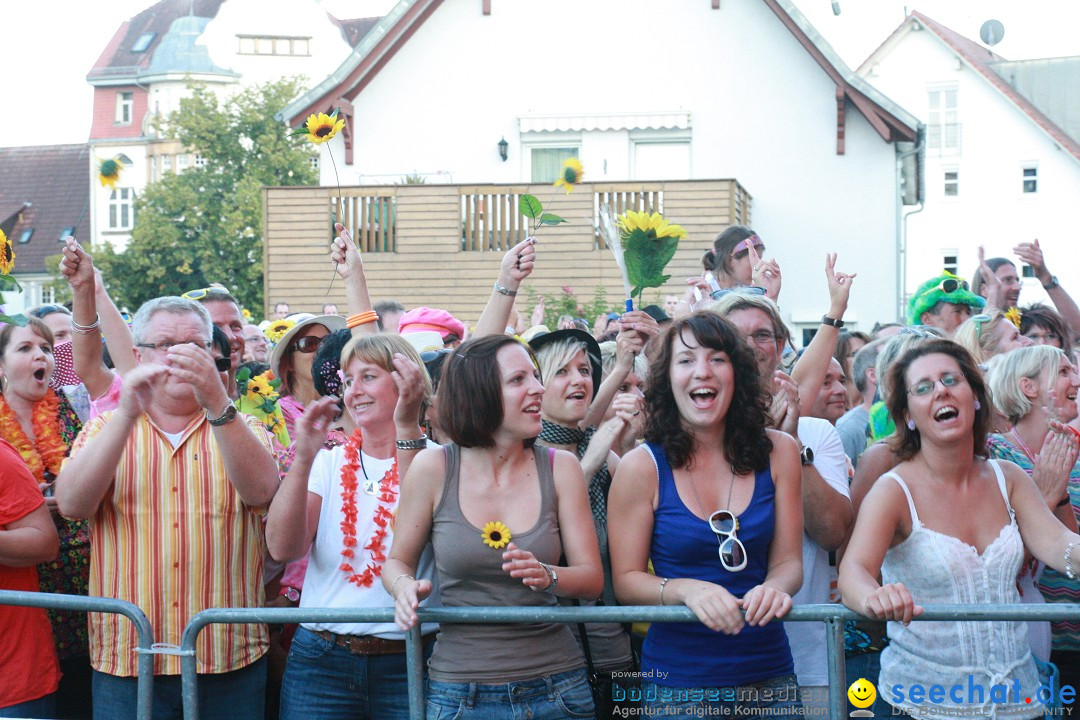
point(227, 416)
point(554, 576)
point(807, 456)
point(826, 320)
point(1052, 284)
point(290, 593)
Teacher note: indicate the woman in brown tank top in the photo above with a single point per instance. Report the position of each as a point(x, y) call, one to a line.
point(489, 406)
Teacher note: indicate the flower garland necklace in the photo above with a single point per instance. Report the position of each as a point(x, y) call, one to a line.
point(384, 514)
point(47, 451)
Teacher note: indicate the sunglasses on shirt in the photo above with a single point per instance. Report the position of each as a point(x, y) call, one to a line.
point(732, 552)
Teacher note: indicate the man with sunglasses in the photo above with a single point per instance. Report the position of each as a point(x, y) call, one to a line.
point(174, 484)
point(944, 301)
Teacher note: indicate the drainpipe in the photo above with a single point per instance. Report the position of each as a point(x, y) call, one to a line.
point(902, 216)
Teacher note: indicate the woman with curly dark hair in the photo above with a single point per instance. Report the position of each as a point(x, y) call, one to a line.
point(717, 506)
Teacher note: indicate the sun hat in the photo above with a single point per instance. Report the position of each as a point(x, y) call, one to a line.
point(330, 322)
point(431, 319)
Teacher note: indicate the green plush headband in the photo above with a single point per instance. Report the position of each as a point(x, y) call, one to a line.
point(943, 288)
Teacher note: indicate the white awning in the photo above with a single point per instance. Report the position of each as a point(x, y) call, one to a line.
point(612, 121)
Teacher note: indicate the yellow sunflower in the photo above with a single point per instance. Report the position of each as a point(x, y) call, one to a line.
point(259, 386)
point(109, 172)
point(495, 535)
point(247, 315)
point(277, 330)
point(572, 172)
point(7, 255)
point(1013, 316)
point(654, 225)
point(322, 127)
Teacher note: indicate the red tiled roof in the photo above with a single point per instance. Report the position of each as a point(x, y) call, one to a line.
point(55, 180)
point(980, 59)
point(117, 60)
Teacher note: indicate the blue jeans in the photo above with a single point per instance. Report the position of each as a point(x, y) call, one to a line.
point(43, 707)
point(776, 697)
point(553, 697)
point(236, 695)
point(326, 682)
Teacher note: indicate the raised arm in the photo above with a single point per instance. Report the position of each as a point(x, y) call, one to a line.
point(636, 330)
point(350, 266)
point(78, 268)
point(812, 367)
point(516, 265)
point(1032, 254)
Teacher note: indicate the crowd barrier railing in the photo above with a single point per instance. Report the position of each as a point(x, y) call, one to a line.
point(833, 616)
point(81, 603)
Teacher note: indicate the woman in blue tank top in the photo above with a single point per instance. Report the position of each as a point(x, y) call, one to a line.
point(716, 506)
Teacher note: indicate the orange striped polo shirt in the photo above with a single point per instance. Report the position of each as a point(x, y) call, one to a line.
point(173, 537)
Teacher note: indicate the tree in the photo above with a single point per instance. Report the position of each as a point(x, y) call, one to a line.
point(205, 225)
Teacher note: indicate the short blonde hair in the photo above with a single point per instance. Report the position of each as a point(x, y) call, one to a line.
point(554, 356)
point(379, 349)
point(607, 360)
point(979, 336)
point(1038, 362)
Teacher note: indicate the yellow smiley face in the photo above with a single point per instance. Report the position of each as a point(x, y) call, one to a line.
point(862, 693)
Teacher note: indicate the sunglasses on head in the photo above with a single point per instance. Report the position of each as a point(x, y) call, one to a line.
point(949, 285)
point(49, 310)
point(744, 290)
point(307, 344)
point(743, 248)
point(204, 292)
point(429, 355)
point(732, 552)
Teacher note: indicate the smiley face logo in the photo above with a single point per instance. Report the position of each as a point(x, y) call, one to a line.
point(862, 693)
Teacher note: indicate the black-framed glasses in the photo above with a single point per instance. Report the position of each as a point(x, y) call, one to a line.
point(925, 387)
point(166, 345)
point(307, 344)
point(732, 552)
point(203, 293)
point(223, 364)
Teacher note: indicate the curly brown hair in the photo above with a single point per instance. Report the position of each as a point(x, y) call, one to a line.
point(746, 442)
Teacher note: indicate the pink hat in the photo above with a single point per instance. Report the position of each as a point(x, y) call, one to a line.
point(425, 318)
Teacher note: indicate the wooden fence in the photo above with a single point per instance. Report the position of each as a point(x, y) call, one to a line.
point(440, 245)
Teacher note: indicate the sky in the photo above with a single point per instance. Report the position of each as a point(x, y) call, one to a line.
point(49, 47)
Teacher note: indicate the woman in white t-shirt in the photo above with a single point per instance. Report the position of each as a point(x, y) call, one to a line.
point(342, 503)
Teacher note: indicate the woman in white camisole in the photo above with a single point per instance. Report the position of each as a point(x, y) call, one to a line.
point(947, 526)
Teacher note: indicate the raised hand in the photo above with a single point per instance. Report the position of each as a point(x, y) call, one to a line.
point(194, 365)
point(766, 273)
point(785, 403)
point(140, 385)
point(312, 426)
point(993, 289)
point(517, 264)
point(344, 253)
point(839, 287)
point(409, 379)
point(1031, 254)
point(77, 266)
point(1056, 460)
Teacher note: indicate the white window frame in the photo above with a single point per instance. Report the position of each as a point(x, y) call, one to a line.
point(181, 162)
point(941, 118)
point(677, 136)
point(953, 255)
point(946, 181)
point(571, 140)
point(125, 108)
point(122, 208)
point(166, 164)
point(1033, 178)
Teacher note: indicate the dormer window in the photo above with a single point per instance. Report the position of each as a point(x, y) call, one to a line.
point(143, 42)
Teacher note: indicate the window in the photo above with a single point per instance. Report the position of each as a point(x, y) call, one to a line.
point(66, 233)
point(25, 235)
point(942, 126)
point(121, 209)
point(125, 107)
point(547, 162)
point(952, 183)
point(166, 164)
point(949, 261)
point(181, 162)
point(153, 168)
point(200, 161)
point(314, 162)
point(1027, 271)
point(1031, 179)
point(273, 45)
point(143, 42)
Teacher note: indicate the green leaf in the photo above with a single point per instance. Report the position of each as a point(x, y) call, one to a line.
point(19, 320)
point(551, 219)
point(9, 284)
point(530, 207)
point(646, 259)
point(243, 375)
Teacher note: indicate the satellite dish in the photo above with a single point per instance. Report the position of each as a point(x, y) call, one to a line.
point(991, 32)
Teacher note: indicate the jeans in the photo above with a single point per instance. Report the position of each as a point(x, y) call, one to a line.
point(776, 697)
point(868, 666)
point(553, 697)
point(43, 707)
point(326, 682)
point(236, 695)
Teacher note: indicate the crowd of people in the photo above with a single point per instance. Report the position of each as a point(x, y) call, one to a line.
point(686, 453)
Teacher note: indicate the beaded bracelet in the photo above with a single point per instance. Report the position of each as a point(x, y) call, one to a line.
point(361, 319)
point(86, 329)
point(1069, 572)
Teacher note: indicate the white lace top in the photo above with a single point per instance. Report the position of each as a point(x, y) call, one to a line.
point(940, 569)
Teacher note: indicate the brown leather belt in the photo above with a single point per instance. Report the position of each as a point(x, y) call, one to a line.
point(368, 644)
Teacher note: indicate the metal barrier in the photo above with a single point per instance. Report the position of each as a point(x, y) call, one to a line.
point(833, 616)
point(82, 603)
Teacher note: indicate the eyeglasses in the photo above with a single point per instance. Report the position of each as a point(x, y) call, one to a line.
point(307, 344)
point(743, 290)
point(204, 292)
point(762, 337)
point(949, 285)
point(732, 552)
point(165, 345)
point(925, 387)
point(979, 320)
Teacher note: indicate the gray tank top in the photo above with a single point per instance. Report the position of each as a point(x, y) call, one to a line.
point(471, 575)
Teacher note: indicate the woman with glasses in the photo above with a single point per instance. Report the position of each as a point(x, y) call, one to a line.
point(948, 526)
point(1044, 326)
point(714, 499)
point(291, 362)
point(500, 513)
point(989, 334)
point(736, 261)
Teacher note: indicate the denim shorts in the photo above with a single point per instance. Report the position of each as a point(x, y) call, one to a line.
point(776, 697)
point(553, 697)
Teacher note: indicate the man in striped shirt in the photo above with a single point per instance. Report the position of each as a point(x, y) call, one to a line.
point(174, 484)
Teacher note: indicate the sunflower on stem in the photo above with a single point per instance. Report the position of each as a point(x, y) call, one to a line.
point(571, 174)
point(318, 129)
point(7, 282)
point(109, 172)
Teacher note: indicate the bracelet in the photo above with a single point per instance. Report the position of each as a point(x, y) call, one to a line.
point(1069, 572)
point(826, 320)
point(394, 584)
point(363, 318)
point(505, 290)
point(663, 583)
point(1052, 284)
point(418, 444)
point(86, 329)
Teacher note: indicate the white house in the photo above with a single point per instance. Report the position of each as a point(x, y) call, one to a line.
point(1002, 153)
point(146, 68)
point(742, 89)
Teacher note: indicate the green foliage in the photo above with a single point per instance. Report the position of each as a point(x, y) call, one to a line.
point(205, 225)
point(568, 303)
point(646, 258)
point(530, 207)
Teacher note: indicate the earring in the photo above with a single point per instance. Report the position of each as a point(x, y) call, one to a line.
point(910, 424)
point(978, 405)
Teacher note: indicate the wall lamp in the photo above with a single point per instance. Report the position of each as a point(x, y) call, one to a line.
point(503, 147)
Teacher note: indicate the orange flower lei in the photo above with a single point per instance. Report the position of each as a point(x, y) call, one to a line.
point(384, 514)
point(48, 450)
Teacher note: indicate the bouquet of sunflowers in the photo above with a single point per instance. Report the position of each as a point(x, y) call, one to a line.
point(259, 397)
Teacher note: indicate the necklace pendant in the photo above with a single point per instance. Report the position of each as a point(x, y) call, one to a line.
point(371, 486)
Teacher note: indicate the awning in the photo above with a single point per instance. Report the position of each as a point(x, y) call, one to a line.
point(610, 121)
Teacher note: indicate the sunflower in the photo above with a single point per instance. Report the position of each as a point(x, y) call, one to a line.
point(7, 255)
point(495, 535)
point(1013, 316)
point(109, 172)
point(320, 128)
point(653, 225)
point(259, 385)
point(277, 330)
point(247, 315)
point(572, 172)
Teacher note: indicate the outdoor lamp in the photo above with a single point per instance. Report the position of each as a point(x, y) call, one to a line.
point(503, 147)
